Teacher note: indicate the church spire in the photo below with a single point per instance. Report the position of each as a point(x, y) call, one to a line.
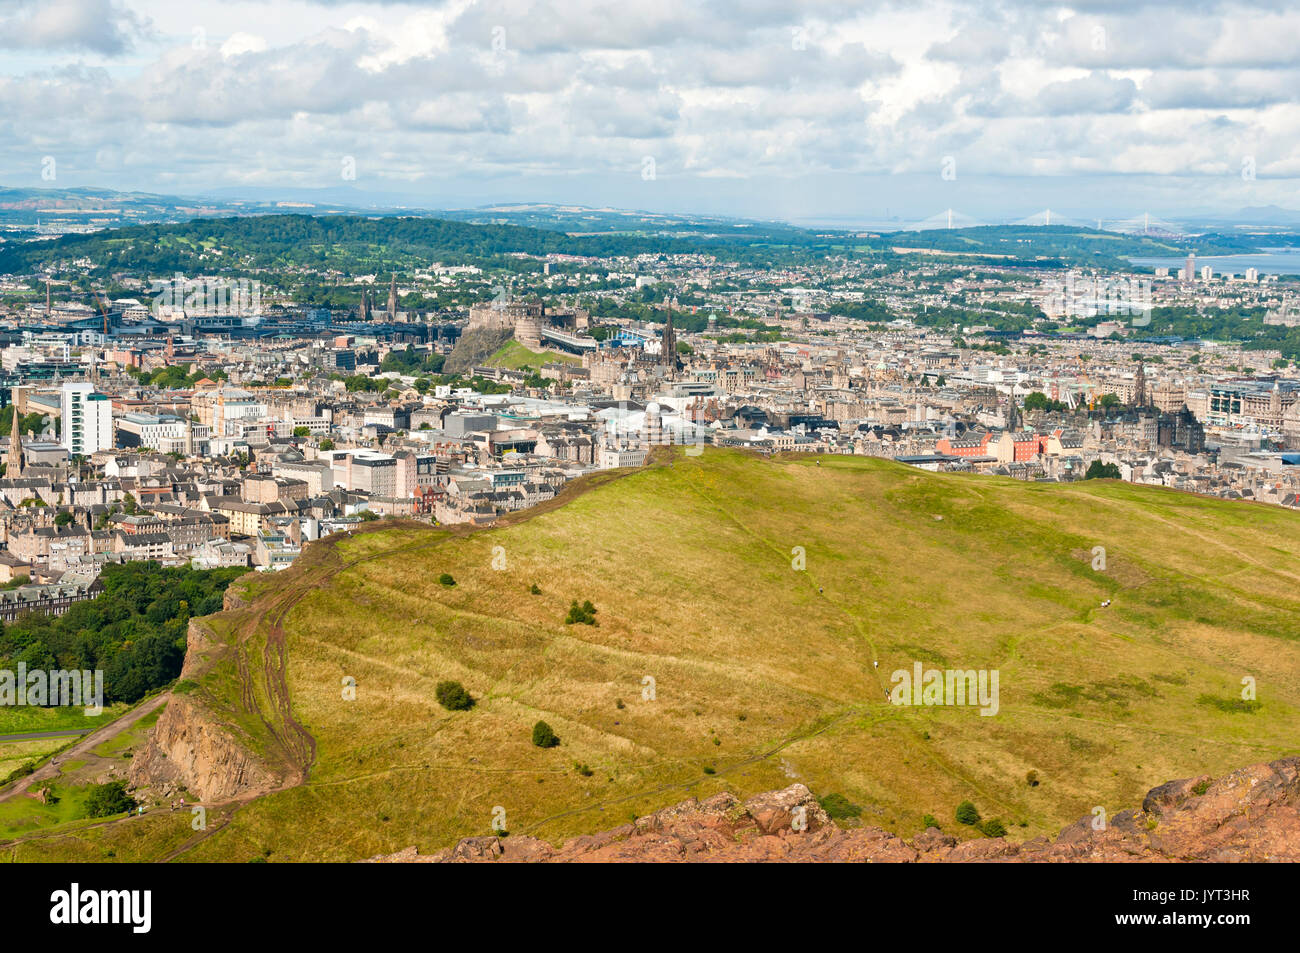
point(14, 459)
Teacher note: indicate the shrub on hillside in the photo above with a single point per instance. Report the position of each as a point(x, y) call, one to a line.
point(584, 614)
point(453, 696)
point(544, 736)
point(966, 813)
point(446, 579)
point(839, 807)
point(993, 828)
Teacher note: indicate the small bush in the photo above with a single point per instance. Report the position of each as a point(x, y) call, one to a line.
point(839, 807)
point(709, 769)
point(1032, 779)
point(583, 769)
point(446, 579)
point(453, 697)
point(535, 589)
point(618, 703)
point(993, 828)
point(1201, 787)
point(966, 813)
point(929, 821)
point(584, 614)
point(544, 736)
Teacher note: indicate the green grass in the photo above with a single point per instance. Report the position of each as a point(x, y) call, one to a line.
point(515, 356)
point(689, 567)
point(26, 718)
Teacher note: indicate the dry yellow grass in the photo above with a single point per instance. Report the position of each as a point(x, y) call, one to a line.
point(763, 673)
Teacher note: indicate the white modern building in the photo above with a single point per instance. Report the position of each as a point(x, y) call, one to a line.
point(87, 419)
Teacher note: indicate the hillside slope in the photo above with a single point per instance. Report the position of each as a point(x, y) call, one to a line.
point(763, 674)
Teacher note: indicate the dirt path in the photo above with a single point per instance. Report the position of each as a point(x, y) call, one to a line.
point(50, 769)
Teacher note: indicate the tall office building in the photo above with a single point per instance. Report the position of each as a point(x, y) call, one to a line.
point(87, 419)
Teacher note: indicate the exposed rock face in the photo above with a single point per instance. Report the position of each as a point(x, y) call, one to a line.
point(1249, 815)
point(474, 346)
point(188, 748)
point(234, 598)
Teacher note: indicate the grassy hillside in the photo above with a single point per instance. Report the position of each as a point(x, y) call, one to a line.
point(762, 673)
point(515, 356)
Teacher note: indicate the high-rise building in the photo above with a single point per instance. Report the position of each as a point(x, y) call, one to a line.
point(1207, 273)
point(87, 419)
point(1189, 271)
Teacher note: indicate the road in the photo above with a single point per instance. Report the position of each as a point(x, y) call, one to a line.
point(37, 735)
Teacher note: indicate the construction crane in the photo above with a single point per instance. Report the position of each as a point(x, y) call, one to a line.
point(103, 309)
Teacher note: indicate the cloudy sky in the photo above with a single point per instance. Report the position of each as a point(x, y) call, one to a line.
point(811, 110)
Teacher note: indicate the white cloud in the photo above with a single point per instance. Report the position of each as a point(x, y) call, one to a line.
point(581, 89)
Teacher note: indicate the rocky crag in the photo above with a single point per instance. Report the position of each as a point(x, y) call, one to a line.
point(1249, 815)
point(191, 749)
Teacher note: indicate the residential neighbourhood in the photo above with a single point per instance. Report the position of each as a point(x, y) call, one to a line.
point(257, 443)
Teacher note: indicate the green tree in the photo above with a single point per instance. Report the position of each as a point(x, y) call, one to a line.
point(1102, 471)
point(544, 736)
point(108, 799)
point(453, 696)
point(967, 814)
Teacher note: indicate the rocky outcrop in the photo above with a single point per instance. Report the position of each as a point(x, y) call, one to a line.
point(189, 749)
point(1249, 815)
point(474, 346)
point(235, 598)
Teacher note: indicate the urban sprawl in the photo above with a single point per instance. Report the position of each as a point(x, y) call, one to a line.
point(211, 423)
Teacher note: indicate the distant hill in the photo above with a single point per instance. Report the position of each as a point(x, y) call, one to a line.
point(243, 242)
